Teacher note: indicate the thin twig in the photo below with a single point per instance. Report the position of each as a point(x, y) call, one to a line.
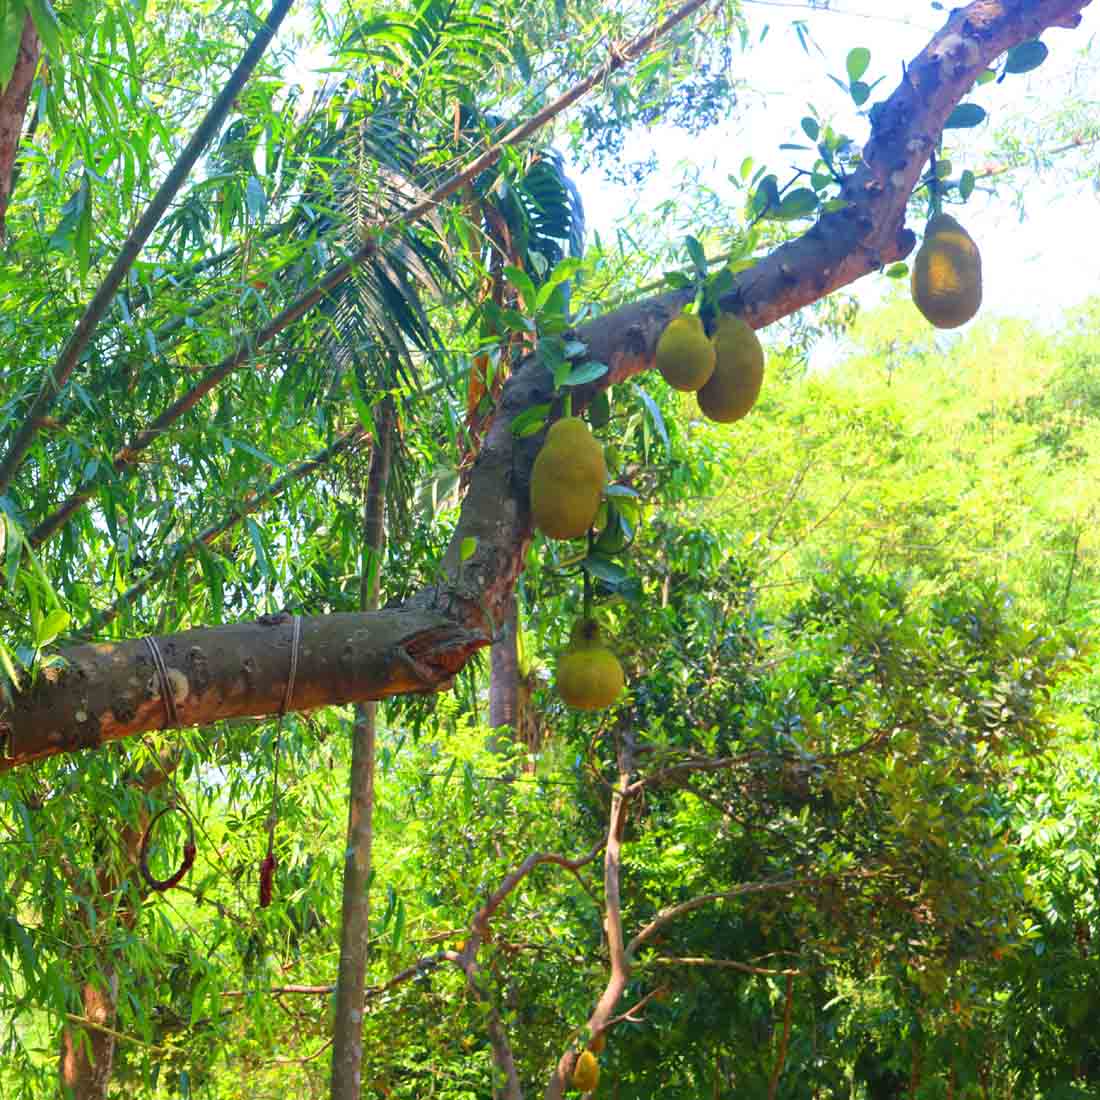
point(781, 1056)
point(120, 1036)
point(726, 964)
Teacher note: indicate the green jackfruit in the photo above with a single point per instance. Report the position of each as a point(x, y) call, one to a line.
point(946, 282)
point(586, 1073)
point(685, 357)
point(589, 674)
point(738, 372)
point(567, 480)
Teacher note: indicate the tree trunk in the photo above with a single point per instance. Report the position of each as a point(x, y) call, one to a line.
point(347, 1045)
point(13, 109)
point(504, 674)
point(87, 1052)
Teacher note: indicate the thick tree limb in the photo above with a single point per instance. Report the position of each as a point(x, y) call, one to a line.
point(421, 645)
point(101, 301)
point(13, 108)
point(110, 691)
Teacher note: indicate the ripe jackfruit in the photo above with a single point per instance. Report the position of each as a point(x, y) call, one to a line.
point(598, 1043)
point(589, 674)
point(947, 274)
point(586, 1073)
point(567, 480)
point(685, 357)
point(738, 372)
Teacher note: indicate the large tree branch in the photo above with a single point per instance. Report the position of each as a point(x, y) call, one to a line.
point(108, 692)
point(105, 692)
point(14, 98)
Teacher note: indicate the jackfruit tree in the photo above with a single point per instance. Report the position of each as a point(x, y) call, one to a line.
point(307, 383)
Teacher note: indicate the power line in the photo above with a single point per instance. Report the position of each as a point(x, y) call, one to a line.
point(873, 16)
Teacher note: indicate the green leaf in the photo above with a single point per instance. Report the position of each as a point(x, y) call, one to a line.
point(530, 421)
point(257, 538)
point(53, 624)
point(466, 548)
point(7, 662)
point(49, 30)
point(964, 116)
point(82, 238)
point(11, 31)
point(398, 923)
point(240, 445)
point(966, 184)
point(586, 372)
point(858, 60)
point(698, 256)
point(254, 197)
point(523, 284)
point(654, 415)
point(797, 204)
point(897, 271)
point(562, 272)
point(1025, 57)
point(766, 196)
point(599, 411)
point(810, 128)
point(64, 235)
point(860, 92)
point(607, 571)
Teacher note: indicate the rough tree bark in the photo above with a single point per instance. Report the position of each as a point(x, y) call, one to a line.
point(109, 691)
point(87, 1052)
point(504, 671)
point(13, 109)
point(347, 1036)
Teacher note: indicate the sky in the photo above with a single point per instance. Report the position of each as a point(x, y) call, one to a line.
point(1034, 268)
